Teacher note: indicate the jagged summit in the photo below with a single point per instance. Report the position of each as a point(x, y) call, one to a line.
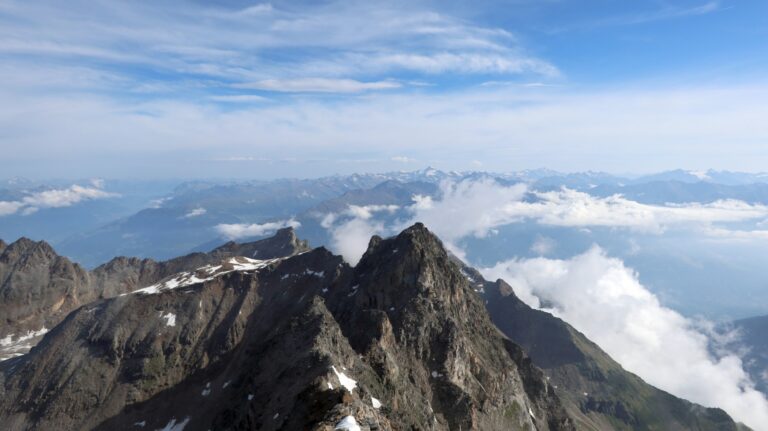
point(26, 246)
point(299, 343)
point(283, 243)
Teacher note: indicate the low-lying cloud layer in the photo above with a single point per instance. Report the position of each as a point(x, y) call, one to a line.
point(245, 230)
point(479, 207)
point(603, 298)
point(596, 293)
point(54, 198)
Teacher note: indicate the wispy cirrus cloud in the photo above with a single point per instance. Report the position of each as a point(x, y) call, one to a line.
point(663, 13)
point(270, 47)
point(319, 85)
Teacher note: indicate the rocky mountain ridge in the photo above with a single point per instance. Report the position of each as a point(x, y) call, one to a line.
point(409, 338)
point(306, 342)
point(38, 288)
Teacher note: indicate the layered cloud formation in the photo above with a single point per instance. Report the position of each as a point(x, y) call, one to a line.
point(316, 82)
point(53, 198)
point(594, 292)
point(603, 298)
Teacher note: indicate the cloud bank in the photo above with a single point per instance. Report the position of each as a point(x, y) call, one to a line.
point(479, 207)
point(245, 230)
point(603, 298)
point(54, 198)
point(595, 293)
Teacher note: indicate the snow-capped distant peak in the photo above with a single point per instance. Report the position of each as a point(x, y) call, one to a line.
point(701, 175)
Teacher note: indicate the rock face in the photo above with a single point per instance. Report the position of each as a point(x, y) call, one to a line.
point(38, 288)
point(308, 343)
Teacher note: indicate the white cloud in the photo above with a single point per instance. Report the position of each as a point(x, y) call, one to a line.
point(53, 198)
point(457, 125)
point(543, 245)
point(352, 229)
point(9, 207)
point(478, 207)
point(158, 203)
point(573, 208)
point(402, 159)
point(196, 212)
point(319, 85)
point(350, 238)
point(736, 235)
point(463, 62)
point(244, 230)
point(602, 298)
point(466, 208)
point(238, 98)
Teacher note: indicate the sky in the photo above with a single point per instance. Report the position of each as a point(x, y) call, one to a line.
point(191, 89)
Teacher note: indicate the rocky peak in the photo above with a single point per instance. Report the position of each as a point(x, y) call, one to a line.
point(3, 245)
point(27, 249)
point(412, 264)
point(283, 243)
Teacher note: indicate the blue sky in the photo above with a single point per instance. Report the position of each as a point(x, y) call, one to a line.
point(248, 89)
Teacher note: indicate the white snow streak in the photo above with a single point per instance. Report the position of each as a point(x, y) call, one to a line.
point(345, 381)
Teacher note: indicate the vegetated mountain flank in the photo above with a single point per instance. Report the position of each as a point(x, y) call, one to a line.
point(401, 341)
point(38, 288)
point(596, 391)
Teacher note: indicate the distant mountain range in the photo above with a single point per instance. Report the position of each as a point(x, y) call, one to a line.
point(273, 335)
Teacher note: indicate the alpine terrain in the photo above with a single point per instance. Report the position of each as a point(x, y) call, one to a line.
point(272, 335)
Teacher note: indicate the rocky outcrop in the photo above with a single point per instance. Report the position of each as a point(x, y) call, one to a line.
point(399, 342)
point(38, 288)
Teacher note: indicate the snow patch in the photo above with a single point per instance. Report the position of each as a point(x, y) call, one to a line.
point(376, 403)
point(318, 274)
point(170, 318)
point(345, 381)
point(174, 426)
point(348, 424)
point(207, 390)
point(206, 273)
point(10, 348)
